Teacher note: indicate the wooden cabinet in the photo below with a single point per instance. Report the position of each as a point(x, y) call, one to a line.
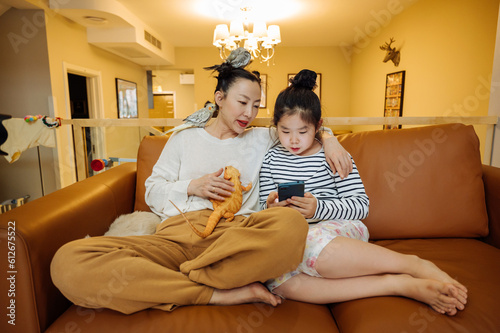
point(163, 107)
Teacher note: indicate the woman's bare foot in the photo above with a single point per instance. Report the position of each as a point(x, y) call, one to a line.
point(426, 269)
point(438, 295)
point(252, 293)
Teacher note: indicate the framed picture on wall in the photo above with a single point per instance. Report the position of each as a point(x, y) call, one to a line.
point(126, 98)
point(263, 91)
point(317, 90)
point(394, 93)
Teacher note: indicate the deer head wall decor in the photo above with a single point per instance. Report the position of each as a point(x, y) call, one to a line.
point(392, 54)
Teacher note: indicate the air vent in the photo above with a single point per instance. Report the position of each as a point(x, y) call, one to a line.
point(152, 39)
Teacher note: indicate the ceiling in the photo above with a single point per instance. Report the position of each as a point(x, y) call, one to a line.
point(187, 23)
point(190, 23)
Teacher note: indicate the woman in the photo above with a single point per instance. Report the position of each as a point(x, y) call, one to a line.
point(175, 267)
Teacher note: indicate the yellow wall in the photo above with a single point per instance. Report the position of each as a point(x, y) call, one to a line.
point(447, 49)
point(67, 43)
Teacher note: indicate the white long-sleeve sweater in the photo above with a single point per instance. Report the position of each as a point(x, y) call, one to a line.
point(193, 153)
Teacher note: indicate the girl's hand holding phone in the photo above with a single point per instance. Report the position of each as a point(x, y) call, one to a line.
point(272, 201)
point(306, 205)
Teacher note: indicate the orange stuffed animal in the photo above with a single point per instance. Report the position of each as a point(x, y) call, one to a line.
point(227, 208)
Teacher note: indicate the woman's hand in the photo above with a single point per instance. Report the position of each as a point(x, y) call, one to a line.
point(337, 157)
point(305, 205)
point(211, 186)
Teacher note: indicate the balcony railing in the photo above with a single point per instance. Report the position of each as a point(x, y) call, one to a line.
point(150, 123)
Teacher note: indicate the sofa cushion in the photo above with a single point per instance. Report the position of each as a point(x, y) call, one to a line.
point(290, 316)
point(422, 182)
point(149, 152)
point(469, 261)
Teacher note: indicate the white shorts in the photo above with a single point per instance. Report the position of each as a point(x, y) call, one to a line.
point(320, 234)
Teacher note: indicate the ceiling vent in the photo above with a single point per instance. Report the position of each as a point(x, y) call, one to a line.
point(111, 26)
point(152, 39)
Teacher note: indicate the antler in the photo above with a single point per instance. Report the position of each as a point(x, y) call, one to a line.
point(387, 46)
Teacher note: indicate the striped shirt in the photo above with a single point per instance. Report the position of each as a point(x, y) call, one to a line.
point(338, 199)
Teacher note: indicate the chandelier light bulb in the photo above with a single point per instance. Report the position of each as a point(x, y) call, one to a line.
point(274, 34)
point(237, 31)
point(221, 32)
point(259, 30)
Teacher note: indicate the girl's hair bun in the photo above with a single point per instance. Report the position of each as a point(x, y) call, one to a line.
point(304, 79)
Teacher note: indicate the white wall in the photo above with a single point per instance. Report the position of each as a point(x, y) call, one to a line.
point(25, 90)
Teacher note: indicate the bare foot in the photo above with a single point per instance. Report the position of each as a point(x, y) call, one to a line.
point(438, 295)
point(254, 292)
point(428, 270)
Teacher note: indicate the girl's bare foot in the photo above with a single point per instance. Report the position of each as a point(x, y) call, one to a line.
point(252, 293)
point(428, 270)
point(438, 295)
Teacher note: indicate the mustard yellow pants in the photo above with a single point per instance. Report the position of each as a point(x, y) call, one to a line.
point(174, 266)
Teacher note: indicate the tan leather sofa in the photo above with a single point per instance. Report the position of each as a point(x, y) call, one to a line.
point(429, 195)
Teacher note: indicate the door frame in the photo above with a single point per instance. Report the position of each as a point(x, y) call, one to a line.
point(96, 111)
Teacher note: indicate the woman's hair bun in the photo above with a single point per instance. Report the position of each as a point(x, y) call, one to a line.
point(304, 79)
point(223, 69)
point(238, 58)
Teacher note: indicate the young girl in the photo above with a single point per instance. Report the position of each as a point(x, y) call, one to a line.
point(338, 264)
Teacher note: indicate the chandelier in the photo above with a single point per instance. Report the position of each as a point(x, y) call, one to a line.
point(254, 36)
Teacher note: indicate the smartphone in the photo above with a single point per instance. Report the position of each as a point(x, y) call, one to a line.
point(290, 189)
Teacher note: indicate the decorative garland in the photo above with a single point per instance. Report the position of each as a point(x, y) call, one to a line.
point(45, 120)
point(56, 123)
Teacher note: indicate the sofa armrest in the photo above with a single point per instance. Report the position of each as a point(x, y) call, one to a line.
point(491, 179)
point(32, 233)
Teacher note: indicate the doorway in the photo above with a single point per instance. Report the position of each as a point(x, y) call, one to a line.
point(79, 105)
point(74, 164)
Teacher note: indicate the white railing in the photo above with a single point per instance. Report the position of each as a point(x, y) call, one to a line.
point(337, 121)
point(149, 123)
